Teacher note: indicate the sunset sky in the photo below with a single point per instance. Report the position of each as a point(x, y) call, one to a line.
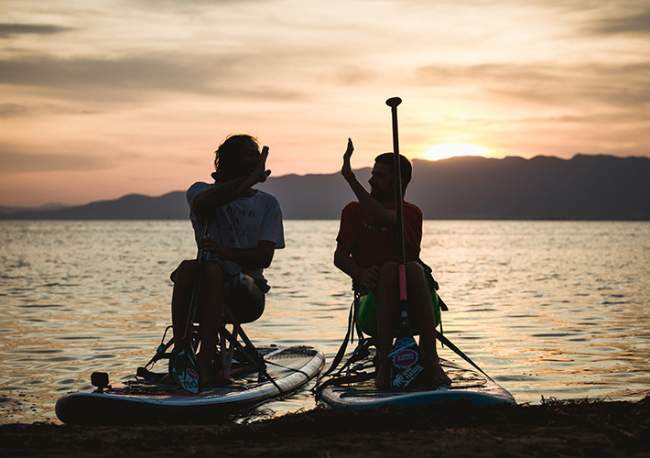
point(102, 98)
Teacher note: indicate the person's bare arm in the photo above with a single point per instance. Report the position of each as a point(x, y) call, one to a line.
point(257, 257)
point(343, 260)
point(221, 194)
point(375, 211)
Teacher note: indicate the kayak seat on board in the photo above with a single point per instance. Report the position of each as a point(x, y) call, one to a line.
point(365, 306)
point(233, 350)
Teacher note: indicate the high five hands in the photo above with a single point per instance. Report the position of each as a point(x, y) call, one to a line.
point(346, 170)
point(261, 173)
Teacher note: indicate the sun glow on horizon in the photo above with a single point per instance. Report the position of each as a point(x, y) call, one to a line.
point(447, 150)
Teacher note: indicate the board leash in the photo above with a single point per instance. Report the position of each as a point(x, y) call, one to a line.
point(349, 337)
point(458, 351)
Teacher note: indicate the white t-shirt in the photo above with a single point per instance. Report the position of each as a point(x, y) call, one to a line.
point(243, 223)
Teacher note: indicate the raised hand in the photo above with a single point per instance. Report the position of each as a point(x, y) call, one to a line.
point(346, 170)
point(261, 172)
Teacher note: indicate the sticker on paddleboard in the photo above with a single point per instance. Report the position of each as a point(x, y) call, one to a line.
point(406, 370)
point(184, 371)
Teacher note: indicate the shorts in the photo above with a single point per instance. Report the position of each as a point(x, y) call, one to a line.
point(244, 298)
point(367, 313)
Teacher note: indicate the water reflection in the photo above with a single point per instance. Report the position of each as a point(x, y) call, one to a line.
point(553, 309)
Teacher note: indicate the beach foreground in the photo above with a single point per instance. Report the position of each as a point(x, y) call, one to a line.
point(458, 429)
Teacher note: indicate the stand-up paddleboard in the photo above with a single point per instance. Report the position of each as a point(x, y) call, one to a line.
point(148, 400)
point(466, 384)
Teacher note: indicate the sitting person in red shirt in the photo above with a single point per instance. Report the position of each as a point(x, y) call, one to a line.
point(368, 251)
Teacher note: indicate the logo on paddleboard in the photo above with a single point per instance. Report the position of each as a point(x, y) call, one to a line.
point(405, 358)
point(192, 374)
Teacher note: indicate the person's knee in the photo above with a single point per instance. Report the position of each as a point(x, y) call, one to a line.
point(415, 273)
point(184, 272)
point(414, 268)
point(388, 273)
point(214, 273)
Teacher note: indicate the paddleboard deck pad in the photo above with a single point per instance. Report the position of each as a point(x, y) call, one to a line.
point(143, 400)
point(466, 384)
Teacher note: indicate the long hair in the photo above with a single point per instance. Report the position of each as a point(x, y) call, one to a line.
point(227, 157)
point(405, 167)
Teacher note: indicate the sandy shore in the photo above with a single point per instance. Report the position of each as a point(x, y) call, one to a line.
point(583, 429)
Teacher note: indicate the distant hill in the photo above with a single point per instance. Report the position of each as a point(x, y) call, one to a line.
point(132, 206)
point(6, 210)
point(581, 188)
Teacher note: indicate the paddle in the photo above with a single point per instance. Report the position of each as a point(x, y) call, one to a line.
point(183, 365)
point(405, 367)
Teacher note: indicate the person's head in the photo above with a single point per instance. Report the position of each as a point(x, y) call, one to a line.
point(236, 156)
point(382, 186)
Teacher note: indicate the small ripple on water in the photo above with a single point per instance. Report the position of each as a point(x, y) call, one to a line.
point(43, 306)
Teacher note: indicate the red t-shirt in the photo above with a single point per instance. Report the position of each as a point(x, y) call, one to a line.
point(374, 245)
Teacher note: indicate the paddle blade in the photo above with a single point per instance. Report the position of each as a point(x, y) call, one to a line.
point(183, 369)
point(405, 365)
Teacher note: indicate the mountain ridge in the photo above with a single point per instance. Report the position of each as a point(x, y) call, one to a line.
point(585, 187)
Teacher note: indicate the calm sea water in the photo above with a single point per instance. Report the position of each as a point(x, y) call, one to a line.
point(552, 309)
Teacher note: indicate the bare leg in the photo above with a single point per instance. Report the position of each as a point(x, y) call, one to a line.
point(421, 307)
point(211, 307)
point(387, 301)
point(181, 296)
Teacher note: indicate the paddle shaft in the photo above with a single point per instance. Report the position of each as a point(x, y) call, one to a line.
point(406, 369)
point(399, 212)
